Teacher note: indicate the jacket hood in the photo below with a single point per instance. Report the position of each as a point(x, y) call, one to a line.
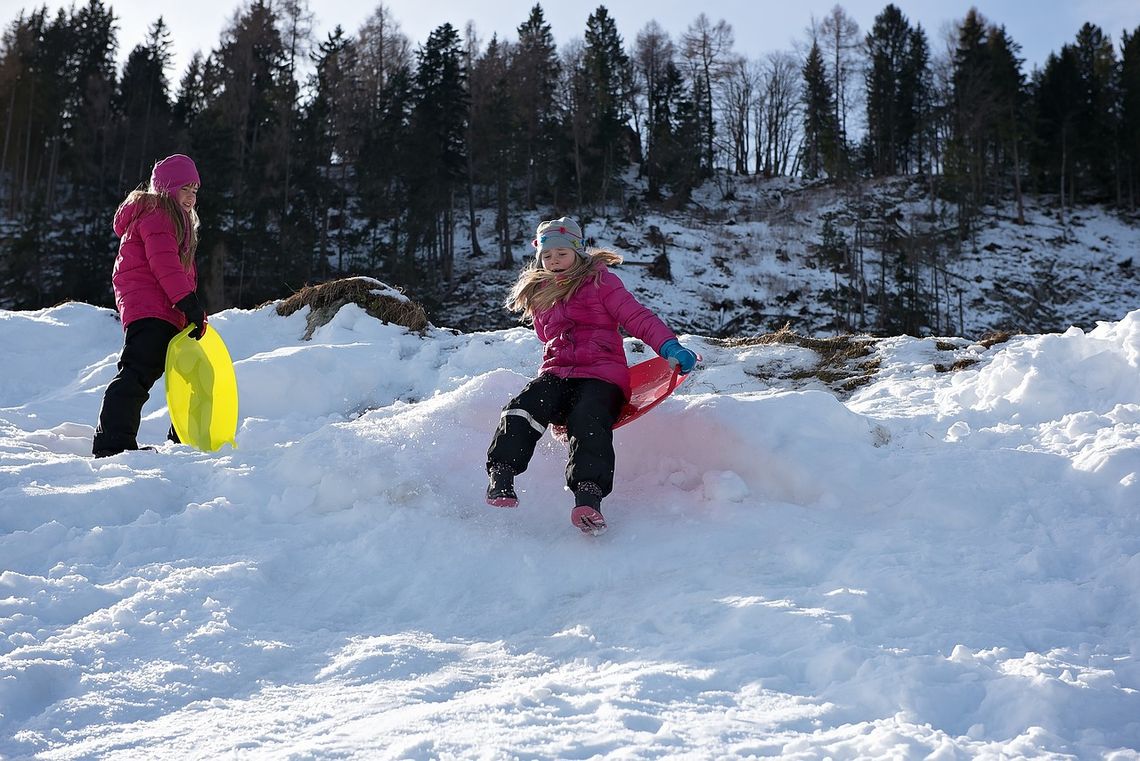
point(127, 214)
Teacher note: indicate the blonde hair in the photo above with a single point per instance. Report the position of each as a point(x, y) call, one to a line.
point(538, 289)
point(150, 199)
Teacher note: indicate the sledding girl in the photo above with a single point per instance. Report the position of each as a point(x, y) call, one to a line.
point(576, 305)
point(154, 279)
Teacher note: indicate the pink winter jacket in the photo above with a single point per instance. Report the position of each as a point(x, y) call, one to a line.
point(148, 276)
point(581, 334)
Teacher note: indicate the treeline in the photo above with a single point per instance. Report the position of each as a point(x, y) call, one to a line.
point(364, 153)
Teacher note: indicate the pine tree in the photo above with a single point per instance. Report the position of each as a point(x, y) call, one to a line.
point(534, 76)
point(383, 172)
point(916, 94)
point(326, 147)
point(1009, 96)
point(897, 94)
point(973, 154)
point(439, 118)
point(677, 147)
point(819, 150)
point(1130, 112)
point(239, 138)
point(85, 176)
point(143, 101)
point(89, 114)
point(1056, 93)
point(1096, 118)
point(889, 100)
point(380, 114)
point(606, 78)
point(492, 136)
point(190, 98)
point(29, 99)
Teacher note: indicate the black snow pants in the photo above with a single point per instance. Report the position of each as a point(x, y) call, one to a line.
point(141, 364)
point(588, 407)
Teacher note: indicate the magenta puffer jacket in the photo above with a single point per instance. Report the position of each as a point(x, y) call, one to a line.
point(148, 276)
point(581, 333)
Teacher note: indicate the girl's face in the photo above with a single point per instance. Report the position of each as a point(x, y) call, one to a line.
point(187, 196)
point(558, 259)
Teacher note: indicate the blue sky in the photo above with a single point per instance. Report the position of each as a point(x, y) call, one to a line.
point(760, 26)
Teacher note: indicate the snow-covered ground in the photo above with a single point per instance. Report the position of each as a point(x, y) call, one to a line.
point(941, 564)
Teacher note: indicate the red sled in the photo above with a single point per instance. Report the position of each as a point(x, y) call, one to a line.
point(651, 382)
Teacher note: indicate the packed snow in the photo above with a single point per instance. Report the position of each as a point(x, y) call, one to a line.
point(939, 563)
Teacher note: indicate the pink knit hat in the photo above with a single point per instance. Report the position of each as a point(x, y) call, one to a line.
point(173, 172)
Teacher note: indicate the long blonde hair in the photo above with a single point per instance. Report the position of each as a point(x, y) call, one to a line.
point(150, 199)
point(538, 289)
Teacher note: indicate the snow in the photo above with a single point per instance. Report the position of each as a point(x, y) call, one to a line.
point(935, 564)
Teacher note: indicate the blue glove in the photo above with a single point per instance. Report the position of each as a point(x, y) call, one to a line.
point(678, 355)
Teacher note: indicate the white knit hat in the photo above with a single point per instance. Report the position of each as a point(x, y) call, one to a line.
point(559, 233)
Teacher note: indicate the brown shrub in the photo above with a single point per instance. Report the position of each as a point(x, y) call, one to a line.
point(995, 337)
point(374, 297)
point(845, 361)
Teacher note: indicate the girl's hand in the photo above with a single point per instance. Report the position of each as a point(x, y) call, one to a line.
point(678, 355)
point(190, 307)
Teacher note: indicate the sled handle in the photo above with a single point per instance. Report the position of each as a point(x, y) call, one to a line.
point(677, 375)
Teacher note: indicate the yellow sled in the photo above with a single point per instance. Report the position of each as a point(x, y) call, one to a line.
point(201, 390)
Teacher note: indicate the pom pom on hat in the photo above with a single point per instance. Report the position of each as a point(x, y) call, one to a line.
point(173, 172)
point(559, 233)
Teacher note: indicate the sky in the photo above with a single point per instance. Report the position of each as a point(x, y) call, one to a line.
point(760, 26)
point(943, 564)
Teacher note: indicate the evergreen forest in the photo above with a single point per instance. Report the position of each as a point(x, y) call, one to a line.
point(367, 152)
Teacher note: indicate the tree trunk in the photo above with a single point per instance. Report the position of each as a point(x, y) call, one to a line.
point(476, 249)
point(212, 286)
point(1017, 176)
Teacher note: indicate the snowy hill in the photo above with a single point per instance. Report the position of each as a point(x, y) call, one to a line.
point(933, 563)
point(744, 260)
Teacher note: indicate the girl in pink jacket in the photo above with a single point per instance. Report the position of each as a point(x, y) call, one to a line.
point(576, 305)
point(155, 277)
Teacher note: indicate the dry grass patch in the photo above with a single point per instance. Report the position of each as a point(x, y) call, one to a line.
point(845, 363)
point(955, 366)
point(379, 300)
point(995, 337)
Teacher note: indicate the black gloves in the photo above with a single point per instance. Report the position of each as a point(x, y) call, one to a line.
point(190, 307)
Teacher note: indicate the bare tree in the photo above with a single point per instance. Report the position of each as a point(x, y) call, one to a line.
point(777, 131)
point(476, 89)
point(705, 47)
point(575, 97)
point(739, 92)
point(384, 49)
point(296, 23)
point(652, 54)
point(842, 47)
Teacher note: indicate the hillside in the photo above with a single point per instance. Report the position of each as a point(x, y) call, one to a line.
point(750, 264)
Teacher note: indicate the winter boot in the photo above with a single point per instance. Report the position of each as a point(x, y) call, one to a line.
point(587, 513)
point(501, 486)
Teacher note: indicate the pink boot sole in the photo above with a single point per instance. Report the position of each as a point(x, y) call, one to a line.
point(503, 502)
point(588, 520)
